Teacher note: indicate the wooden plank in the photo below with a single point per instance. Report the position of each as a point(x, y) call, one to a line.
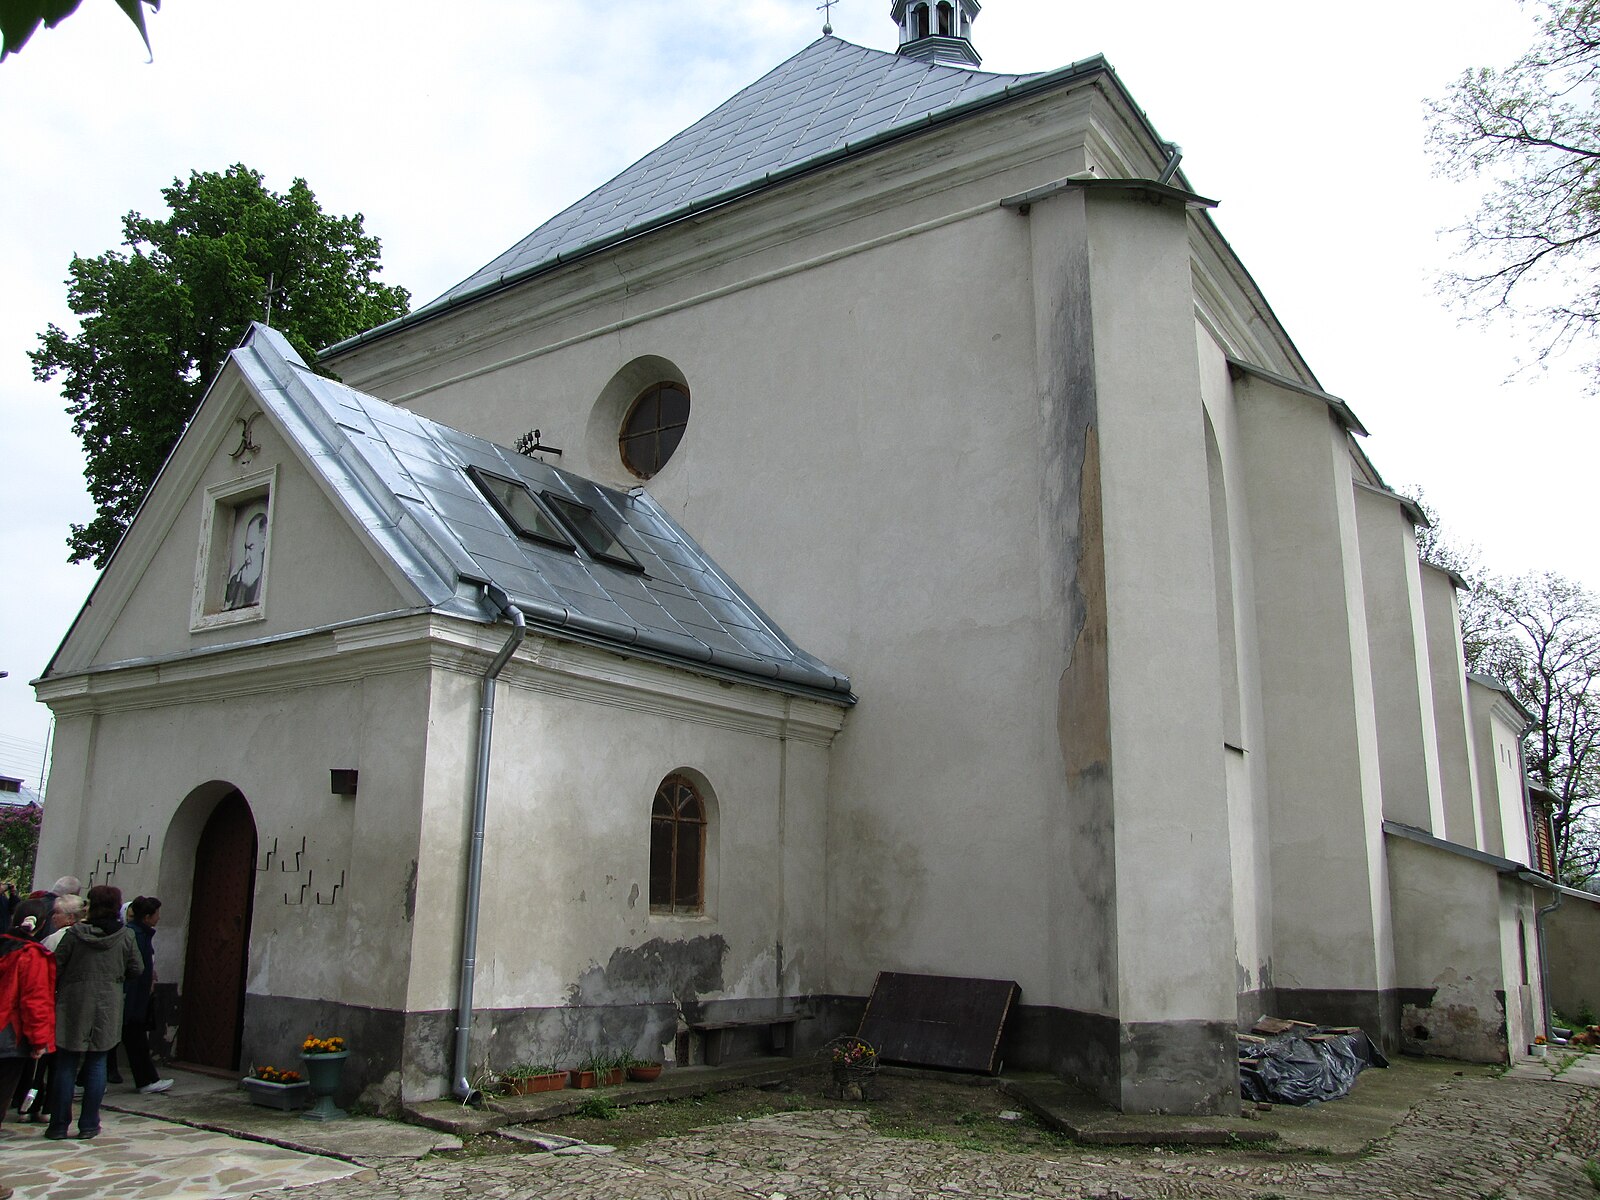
point(938, 1020)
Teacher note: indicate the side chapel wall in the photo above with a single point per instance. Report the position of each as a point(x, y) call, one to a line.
point(570, 957)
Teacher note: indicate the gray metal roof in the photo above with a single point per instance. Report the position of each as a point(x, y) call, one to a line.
point(404, 479)
point(830, 95)
point(832, 99)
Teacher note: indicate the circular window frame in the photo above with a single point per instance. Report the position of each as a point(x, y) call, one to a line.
point(653, 431)
point(602, 447)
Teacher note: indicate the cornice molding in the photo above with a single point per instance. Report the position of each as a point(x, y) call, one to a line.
point(425, 641)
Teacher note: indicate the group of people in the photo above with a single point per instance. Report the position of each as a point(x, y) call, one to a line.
point(77, 977)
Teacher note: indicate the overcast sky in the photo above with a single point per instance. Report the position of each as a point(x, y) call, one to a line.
point(456, 129)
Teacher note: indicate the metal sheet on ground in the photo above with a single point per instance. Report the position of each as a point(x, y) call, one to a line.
point(938, 1020)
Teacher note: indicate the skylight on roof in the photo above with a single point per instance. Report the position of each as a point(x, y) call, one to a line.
point(591, 531)
point(517, 507)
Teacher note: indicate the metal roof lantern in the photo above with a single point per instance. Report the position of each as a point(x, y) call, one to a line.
point(937, 31)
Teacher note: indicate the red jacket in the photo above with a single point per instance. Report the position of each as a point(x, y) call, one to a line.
point(28, 996)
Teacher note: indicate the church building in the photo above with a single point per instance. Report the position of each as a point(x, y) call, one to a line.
point(883, 529)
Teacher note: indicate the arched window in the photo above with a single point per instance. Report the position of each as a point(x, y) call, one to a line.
point(947, 21)
point(920, 20)
point(677, 848)
point(653, 427)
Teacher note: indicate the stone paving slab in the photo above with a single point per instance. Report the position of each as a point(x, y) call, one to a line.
point(220, 1105)
point(1576, 1067)
point(1093, 1122)
point(137, 1157)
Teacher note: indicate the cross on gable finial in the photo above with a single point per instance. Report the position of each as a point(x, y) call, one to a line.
point(826, 9)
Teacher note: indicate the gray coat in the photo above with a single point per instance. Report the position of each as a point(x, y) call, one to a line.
point(91, 966)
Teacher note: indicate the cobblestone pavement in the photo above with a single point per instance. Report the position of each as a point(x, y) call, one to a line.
point(1517, 1138)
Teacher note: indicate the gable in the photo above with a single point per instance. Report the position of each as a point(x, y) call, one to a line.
point(153, 601)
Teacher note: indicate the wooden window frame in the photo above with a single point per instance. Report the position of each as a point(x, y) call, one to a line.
point(675, 822)
point(627, 435)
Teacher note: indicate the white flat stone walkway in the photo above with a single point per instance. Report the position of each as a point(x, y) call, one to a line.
point(137, 1157)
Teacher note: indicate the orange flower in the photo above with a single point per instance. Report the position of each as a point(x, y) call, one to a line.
point(274, 1075)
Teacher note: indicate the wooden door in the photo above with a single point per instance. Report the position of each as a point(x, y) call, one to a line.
point(211, 1020)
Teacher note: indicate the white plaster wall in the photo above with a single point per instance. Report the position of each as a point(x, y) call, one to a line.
point(1169, 787)
point(1248, 828)
point(1457, 754)
point(1402, 683)
point(566, 868)
point(125, 773)
point(1450, 940)
point(1502, 800)
point(1519, 950)
point(1319, 736)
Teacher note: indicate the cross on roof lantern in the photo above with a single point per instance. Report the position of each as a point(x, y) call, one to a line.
point(826, 9)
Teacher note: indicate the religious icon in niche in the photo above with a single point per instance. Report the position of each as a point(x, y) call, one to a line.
point(247, 555)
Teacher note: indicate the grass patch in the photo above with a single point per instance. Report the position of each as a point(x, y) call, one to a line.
point(1592, 1170)
point(598, 1108)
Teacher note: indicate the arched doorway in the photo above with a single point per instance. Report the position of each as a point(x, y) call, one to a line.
point(211, 1022)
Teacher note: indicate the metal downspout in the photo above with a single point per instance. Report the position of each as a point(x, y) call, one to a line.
point(464, 1090)
point(1548, 1008)
point(1539, 914)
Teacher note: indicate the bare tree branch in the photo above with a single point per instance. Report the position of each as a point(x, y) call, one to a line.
point(1534, 129)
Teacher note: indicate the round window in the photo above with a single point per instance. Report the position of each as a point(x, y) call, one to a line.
point(653, 428)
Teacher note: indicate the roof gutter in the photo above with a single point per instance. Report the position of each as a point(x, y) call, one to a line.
point(1238, 367)
point(464, 1090)
point(1035, 83)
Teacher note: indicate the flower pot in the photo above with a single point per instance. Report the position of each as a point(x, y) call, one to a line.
point(581, 1079)
point(609, 1078)
point(285, 1097)
point(645, 1074)
point(854, 1082)
point(527, 1085)
point(323, 1072)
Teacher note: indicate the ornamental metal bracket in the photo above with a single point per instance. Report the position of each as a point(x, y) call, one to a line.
point(246, 449)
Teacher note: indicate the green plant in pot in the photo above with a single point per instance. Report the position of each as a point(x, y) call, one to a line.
point(640, 1071)
point(605, 1066)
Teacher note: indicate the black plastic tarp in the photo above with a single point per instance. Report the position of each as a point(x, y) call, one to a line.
point(1298, 1068)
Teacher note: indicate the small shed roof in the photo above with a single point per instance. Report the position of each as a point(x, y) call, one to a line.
point(405, 479)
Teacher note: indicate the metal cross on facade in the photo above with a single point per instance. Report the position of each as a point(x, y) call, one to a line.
point(826, 9)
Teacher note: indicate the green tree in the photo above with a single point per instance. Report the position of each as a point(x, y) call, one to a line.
point(20, 18)
point(157, 319)
point(1542, 640)
point(1533, 131)
point(19, 842)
